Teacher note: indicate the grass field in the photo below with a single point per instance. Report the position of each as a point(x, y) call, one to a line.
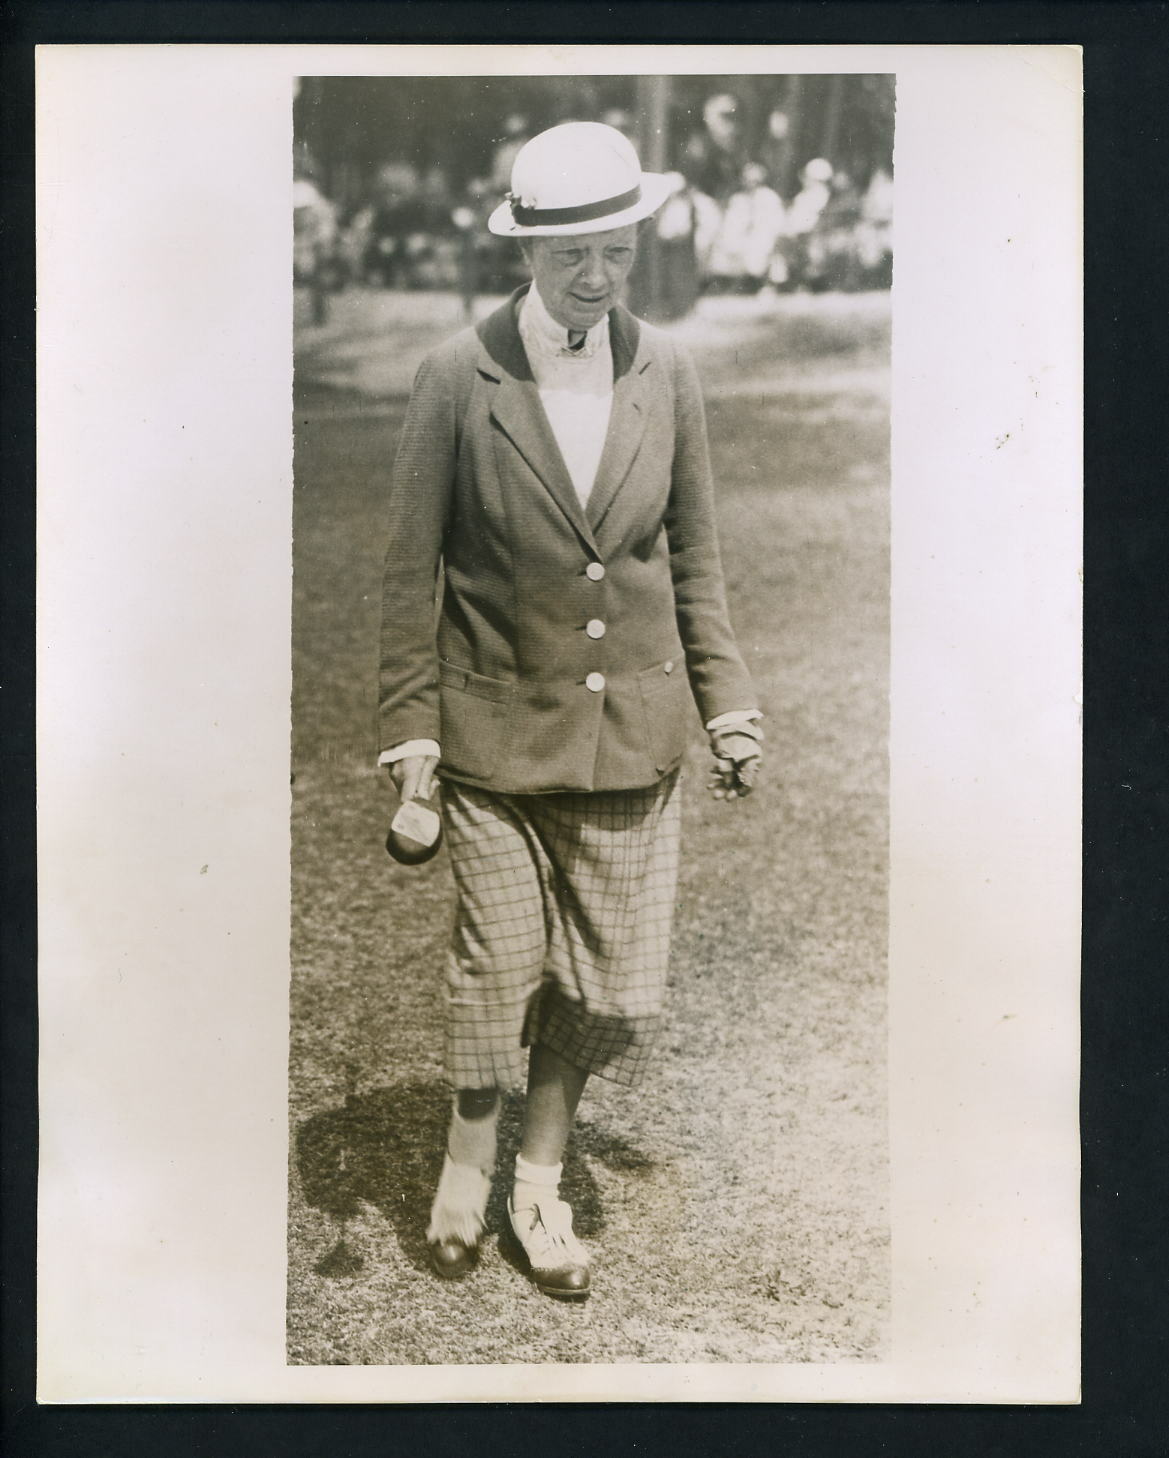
point(736, 1204)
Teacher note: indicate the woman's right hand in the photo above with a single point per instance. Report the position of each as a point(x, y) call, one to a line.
point(413, 776)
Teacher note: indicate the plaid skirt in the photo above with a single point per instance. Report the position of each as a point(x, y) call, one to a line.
point(562, 928)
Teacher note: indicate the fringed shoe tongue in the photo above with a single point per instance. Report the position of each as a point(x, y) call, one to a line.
point(460, 1203)
point(545, 1232)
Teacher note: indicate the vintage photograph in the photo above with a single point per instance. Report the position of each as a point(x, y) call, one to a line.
point(590, 786)
point(567, 885)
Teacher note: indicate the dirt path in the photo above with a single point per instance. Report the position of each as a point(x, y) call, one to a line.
point(736, 1203)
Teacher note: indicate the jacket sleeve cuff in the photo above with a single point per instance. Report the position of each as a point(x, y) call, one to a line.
point(740, 719)
point(407, 748)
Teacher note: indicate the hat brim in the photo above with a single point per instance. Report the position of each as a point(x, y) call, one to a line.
point(655, 189)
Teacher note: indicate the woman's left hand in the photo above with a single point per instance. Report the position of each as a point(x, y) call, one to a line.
point(737, 761)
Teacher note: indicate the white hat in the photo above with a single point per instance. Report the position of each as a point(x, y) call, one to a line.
point(579, 177)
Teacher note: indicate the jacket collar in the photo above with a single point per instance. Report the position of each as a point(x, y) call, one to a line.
point(502, 349)
point(518, 411)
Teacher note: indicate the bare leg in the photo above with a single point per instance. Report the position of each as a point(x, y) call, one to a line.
point(474, 1120)
point(554, 1090)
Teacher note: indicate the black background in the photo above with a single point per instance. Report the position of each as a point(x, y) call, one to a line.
point(1125, 1409)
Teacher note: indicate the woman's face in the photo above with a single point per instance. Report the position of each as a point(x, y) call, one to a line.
point(580, 277)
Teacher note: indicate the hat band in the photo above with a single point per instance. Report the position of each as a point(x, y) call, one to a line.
point(586, 213)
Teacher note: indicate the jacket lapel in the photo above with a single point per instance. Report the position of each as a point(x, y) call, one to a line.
point(627, 421)
point(519, 413)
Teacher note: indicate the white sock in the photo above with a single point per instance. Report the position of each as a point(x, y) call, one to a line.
point(459, 1203)
point(461, 1198)
point(534, 1182)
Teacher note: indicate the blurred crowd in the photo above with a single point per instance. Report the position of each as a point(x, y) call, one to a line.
point(736, 221)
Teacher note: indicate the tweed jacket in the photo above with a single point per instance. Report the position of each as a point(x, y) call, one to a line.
point(549, 646)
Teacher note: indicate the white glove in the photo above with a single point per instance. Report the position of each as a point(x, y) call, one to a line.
point(737, 761)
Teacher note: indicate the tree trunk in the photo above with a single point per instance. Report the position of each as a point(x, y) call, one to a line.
point(653, 112)
point(832, 118)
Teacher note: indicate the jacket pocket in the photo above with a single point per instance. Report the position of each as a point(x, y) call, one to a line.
point(474, 720)
point(667, 706)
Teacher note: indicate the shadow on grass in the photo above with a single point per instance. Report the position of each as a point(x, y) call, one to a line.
point(384, 1148)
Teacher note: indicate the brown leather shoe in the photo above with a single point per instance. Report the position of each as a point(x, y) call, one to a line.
point(557, 1261)
point(452, 1259)
point(568, 1283)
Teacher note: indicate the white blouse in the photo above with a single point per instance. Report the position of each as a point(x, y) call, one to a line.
point(575, 385)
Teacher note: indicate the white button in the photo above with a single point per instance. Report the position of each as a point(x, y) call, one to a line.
point(595, 571)
point(595, 682)
point(668, 666)
point(595, 628)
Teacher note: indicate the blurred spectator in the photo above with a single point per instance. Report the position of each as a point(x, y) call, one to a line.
point(751, 227)
point(812, 198)
point(304, 165)
point(435, 202)
point(803, 215)
point(875, 231)
point(397, 236)
point(831, 260)
point(708, 221)
point(831, 254)
point(434, 249)
point(677, 225)
point(774, 152)
point(516, 132)
point(469, 218)
point(314, 244)
point(843, 209)
point(714, 157)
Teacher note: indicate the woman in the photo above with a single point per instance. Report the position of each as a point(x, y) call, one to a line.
point(553, 477)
